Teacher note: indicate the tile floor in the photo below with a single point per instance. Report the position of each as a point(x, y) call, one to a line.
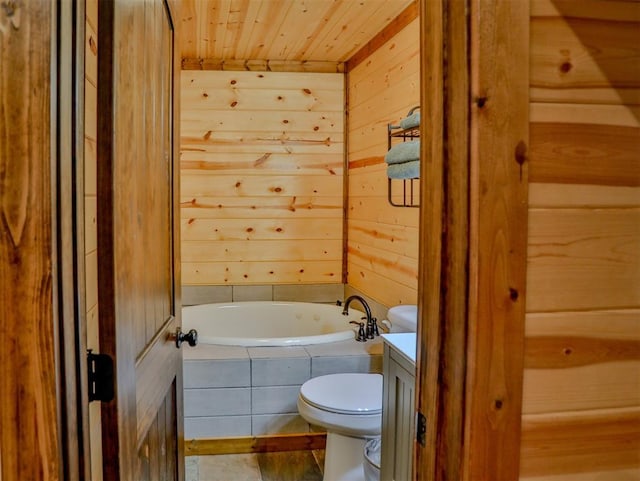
point(279, 466)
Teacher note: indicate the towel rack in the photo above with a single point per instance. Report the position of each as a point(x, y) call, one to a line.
point(409, 188)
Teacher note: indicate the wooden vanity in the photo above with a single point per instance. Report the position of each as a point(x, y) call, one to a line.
point(398, 406)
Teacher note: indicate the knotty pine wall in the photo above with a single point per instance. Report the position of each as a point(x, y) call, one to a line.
point(262, 177)
point(90, 226)
point(581, 411)
point(382, 260)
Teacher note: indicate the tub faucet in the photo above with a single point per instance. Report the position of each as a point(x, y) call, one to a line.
point(372, 322)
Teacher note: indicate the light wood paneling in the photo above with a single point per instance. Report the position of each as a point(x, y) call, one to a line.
point(281, 207)
point(396, 239)
point(585, 114)
point(580, 442)
point(269, 272)
point(270, 250)
point(576, 195)
point(398, 269)
point(262, 177)
point(578, 374)
point(582, 358)
point(204, 83)
point(383, 240)
point(252, 185)
point(244, 229)
point(572, 250)
point(617, 325)
point(565, 68)
point(366, 278)
point(284, 29)
point(585, 154)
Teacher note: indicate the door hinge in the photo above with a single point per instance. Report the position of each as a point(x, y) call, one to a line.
point(421, 428)
point(100, 367)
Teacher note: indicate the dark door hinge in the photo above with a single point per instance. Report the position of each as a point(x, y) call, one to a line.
point(100, 367)
point(421, 428)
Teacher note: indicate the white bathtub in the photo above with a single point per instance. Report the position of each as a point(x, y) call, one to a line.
point(270, 323)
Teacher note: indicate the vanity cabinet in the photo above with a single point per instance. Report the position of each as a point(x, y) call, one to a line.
point(398, 407)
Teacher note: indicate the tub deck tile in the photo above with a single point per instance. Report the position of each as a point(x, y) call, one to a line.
point(214, 351)
point(279, 352)
point(372, 347)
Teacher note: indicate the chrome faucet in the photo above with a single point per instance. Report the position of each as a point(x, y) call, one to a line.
point(372, 322)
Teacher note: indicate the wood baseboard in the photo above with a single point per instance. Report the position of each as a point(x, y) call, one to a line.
point(255, 444)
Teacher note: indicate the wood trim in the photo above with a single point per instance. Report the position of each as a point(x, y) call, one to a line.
point(446, 211)
point(407, 16)
point(113, 444)
point(30, 434)
point(315, 66)
point(367, 162)
point(69, 261)
point(473, 238)
point(498, 238)
point(345, 183)
point(428, 357)
point(255, 444)
point(175, 13)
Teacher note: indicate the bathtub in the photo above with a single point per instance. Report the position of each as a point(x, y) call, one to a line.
point(262, 323)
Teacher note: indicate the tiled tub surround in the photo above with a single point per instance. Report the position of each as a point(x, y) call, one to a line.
point(243, 391)
point(322, 293)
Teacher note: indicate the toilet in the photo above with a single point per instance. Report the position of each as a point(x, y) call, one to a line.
point(349, 407)
point(372, 454)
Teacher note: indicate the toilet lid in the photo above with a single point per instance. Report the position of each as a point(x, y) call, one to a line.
point(345, 393)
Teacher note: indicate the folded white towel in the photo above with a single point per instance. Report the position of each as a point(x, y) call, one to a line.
point(411, 122)
point(403, 152)
point(405, 170)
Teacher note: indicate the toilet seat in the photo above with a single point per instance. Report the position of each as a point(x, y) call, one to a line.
point(351, 393)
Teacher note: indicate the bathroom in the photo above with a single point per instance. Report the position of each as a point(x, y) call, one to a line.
point(533, 179)
point(268, 212)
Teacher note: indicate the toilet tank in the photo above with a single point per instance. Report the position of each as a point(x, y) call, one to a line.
point(403, 318)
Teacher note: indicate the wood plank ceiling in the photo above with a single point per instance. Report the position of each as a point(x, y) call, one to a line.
point(282, 30)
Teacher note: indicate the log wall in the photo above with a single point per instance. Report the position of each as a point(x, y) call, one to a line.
point(262, 177)
point(581, 406)
point(382, 259)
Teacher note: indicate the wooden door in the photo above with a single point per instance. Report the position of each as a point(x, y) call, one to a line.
point(138, 271)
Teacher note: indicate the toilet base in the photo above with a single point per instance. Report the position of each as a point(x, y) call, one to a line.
point(343, 459)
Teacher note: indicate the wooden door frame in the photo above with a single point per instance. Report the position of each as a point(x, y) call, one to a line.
point(473, 238)
point(73, 398)
point(43, 436)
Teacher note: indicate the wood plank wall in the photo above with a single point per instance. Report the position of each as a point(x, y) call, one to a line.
point(382, 259)
point(581, 412)
point(90, 226)
point(262, 177)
